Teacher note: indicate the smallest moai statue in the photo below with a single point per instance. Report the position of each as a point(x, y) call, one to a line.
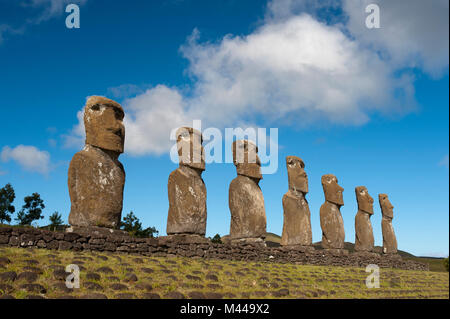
point(331, 222)
point(297, 217)
point(186, 189)
point(364, 241)
point(389, 239)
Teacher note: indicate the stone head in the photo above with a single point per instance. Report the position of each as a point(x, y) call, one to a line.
point(298, 179)
point(365, 201)
point(190, 149)
point(387, 209)
point(246, 160)
point(333, 192)
point(103, 122)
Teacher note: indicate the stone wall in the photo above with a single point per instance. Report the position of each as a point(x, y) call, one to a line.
point(190, 246)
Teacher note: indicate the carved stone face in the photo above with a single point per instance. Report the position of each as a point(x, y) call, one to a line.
point(365, 201)
point(190, 149)
point(103, 121)
point(333, 192)
point(246, 159)
point(387, 209)
point(298, 180)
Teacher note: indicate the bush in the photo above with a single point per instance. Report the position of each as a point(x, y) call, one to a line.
point(133, 226)
point(446, 263)
point(216, 239)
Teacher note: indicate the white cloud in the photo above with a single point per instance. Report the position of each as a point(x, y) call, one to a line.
point(28, 157)
point(295, 68)
point(76, 137)
point(413, 33)
point(444, 161)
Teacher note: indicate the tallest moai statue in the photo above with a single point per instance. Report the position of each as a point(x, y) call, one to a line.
point(96, 177)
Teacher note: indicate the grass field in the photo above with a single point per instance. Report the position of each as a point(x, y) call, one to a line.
point(37, 273)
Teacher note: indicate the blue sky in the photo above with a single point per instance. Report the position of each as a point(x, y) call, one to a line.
point(370, 106)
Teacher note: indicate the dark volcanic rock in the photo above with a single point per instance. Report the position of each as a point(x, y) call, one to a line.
point(28, 276)
point(8, 276)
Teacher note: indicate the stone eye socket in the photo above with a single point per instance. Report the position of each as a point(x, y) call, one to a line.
point(119, 114)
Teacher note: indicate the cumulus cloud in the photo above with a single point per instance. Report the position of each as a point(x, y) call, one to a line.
point(76, 137)
point(29, 158)
point(296, 68)
point(412, 33)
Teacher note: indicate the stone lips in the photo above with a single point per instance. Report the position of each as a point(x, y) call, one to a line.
point(296, 214)
point(245, 198)
point(186, 188)
point(298, 179)
point(246, 159)
point(332, 190)
point(103, 124)
point(190, 246)
point(389, 238)
point(364, 240)
point(331, 222)
point(96, 178)
point(190, 150)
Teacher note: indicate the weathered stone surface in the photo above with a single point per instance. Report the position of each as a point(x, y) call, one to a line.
point(186, 189)
point(96, 177)
point(246, 201)
point(331, 222)
point(297, 217)
point(389, 239)
point(364, 240)
point(197, 246)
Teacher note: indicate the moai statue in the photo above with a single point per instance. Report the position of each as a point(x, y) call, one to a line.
point(246, 201)
point(186, 189)
point(96, 177)
point(364, 240)
point(331, 221)
point(389, 239)
point(297, 217)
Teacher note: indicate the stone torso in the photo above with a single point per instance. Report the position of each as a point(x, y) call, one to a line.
point(364, 240)
point(187, 202)
point(96, 183)
point(389, 239)
point(297, 220)
point(333, 234)
point(248, 214)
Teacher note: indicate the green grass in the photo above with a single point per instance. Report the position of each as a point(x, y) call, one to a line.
point(235, 279)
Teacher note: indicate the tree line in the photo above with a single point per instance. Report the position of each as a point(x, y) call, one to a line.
point(33, 207)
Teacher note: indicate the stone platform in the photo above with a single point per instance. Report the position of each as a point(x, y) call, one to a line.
point(192, 246)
